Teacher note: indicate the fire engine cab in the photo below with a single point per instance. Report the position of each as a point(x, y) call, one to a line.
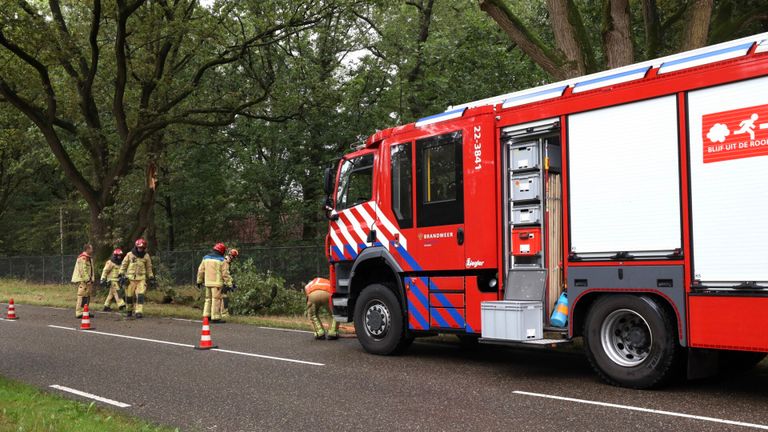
point(640, 192)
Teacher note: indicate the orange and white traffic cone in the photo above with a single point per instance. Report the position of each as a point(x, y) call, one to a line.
point(11, 315)
point(85, 324)
point(205, 337)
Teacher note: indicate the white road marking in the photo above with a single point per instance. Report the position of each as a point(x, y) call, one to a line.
point(268, 357)
point(125, 336)
point(187, 320)
point(3, 319)
point(91, 396)
point(54, 307)
point(191, 346)
point(646, 410)
point(283, 329)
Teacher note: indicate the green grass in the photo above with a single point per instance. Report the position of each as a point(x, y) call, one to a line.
point(23, 292)
point(24, 408)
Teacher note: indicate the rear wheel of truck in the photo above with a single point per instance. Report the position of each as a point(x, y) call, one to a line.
point(631, 341)
point(379, 321)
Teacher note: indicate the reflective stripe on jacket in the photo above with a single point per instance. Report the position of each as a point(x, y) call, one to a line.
point(110, 272)
point(135, 268)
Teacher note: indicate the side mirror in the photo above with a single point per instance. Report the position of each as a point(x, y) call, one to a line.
point(328, 181)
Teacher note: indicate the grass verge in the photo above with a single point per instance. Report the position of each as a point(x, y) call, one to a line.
point(64, 296)
point(25, 408)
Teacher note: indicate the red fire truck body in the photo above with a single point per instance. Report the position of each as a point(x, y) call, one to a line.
point(640, 192)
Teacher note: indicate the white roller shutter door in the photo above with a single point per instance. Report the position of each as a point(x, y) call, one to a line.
point(624, 181)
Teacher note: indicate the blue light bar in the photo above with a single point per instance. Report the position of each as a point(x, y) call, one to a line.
point(706, 58)
point(448, 115)
point(548, 93)
point(609, 80)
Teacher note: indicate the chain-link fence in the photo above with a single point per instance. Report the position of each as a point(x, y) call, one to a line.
point(295, 264)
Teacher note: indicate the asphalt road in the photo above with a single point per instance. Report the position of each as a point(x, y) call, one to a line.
point(284, 380)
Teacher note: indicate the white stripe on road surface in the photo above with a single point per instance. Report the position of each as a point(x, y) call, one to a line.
point(187, 320)
point(91, 396)
point(125, 336)
point(268, 357)
point(191, 346)
point(288, 330)
point(3, 319)
point(646, 410)
point(261, 327)
point(54, 307)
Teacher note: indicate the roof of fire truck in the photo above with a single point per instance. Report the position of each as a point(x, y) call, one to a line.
point(689, 59)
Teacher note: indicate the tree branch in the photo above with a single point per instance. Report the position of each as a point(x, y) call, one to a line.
point(531, 45)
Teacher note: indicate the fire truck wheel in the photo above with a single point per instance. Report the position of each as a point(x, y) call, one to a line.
point(631, 341)
point(379, 321)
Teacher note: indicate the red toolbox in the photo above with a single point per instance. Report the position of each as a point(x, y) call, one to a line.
point(526, 241)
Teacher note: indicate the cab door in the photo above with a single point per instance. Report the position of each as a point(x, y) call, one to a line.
point(438, 233)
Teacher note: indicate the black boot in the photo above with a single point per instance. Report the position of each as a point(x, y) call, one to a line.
point(139, 315)
point(107, 309)
point(129, 314)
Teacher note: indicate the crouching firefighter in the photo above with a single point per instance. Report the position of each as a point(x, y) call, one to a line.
point(83, 277)
point(211, 275)
point(109, 280)
point(229, 282)
point(319, 292)
point(136, 271)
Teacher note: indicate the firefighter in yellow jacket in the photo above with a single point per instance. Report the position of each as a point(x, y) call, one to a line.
point(83, 277)
point(319, 292)
point(109, 280)
point(211, 275)
point(136, 271)
point(229, 282)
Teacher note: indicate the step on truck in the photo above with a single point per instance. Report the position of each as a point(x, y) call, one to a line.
point(640, 192)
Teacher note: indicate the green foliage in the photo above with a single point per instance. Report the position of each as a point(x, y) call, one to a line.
point(263, 293)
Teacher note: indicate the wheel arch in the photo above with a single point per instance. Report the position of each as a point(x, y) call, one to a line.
point(579, 308)
point(375, 265)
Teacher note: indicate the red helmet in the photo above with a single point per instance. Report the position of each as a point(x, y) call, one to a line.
point(220, 248)
point(117, 251)
point(141, 243)
point(233, 253)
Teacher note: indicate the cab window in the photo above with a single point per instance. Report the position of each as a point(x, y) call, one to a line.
point(439, 193)
point(355, 182)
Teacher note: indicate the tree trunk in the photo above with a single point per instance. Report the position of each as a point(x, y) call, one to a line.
point(524, 39)
point(99, 238)
point(169, 216)
point(570, 37)
point(697, 28)
point(652, 28)
point(617, 34)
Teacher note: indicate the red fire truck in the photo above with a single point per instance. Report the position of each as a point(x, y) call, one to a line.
point(641, 192)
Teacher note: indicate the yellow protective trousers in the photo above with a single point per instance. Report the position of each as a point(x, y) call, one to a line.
point(212, 307)
point(134, 295)
point(224, 304)
point(317, 301)
point(114, 288)
point(84, 294)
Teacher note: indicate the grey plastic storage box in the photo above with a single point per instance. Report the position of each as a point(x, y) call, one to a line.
point(525, 155)
point(526, 187)
point(527, 214)
point(512, 320)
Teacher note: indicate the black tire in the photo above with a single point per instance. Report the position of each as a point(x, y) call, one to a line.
point(631, 341)
point(737, 362)
point(379, 322)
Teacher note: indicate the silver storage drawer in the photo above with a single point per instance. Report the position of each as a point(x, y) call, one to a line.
point(526, 187)
point(512, 320)
point(525, 155)
point(526, 214)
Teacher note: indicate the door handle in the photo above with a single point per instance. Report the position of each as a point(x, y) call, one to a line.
point(460, 236)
